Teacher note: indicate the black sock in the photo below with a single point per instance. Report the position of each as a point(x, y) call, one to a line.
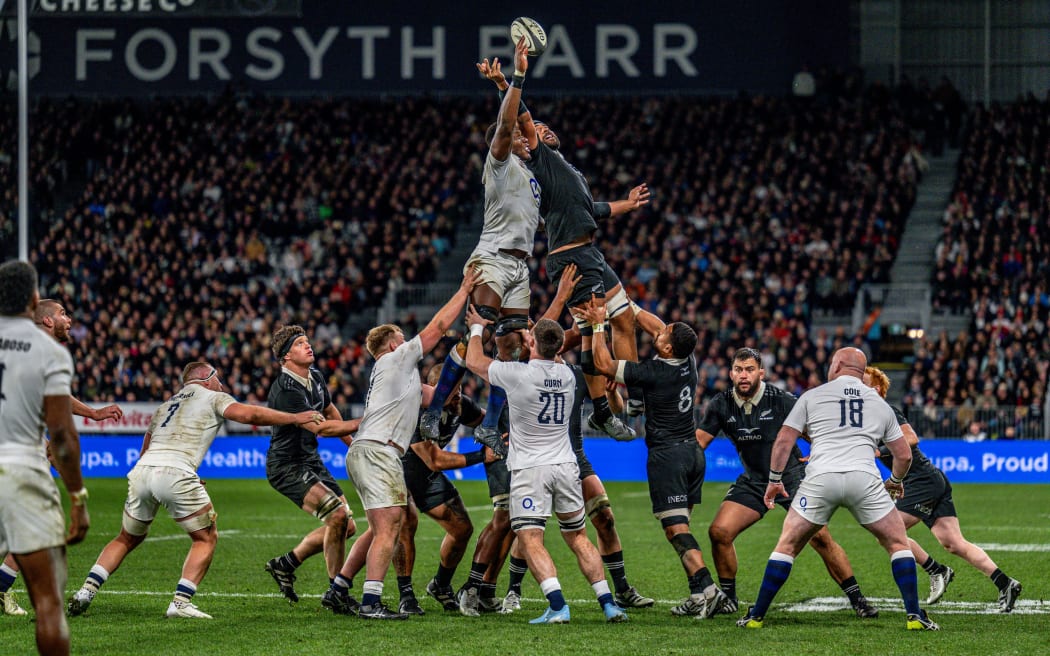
point(932, 566)
point(443, 578)
point(404, 586)
point(289, 561)
point(699, 581)
point(487, 590)
point(601, 409)
point(614, 562)
point(477, 575)
point(728, 586)
point(852, 589)
point(518, 568)
point(999, 579)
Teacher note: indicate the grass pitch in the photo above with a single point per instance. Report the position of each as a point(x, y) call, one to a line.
point(811, 615)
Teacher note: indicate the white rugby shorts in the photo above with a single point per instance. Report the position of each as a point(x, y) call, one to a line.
point(31, 516)
point(149, 487)
point(507, 275)
point(863, 493)
point(539, 492)
point(376, 471)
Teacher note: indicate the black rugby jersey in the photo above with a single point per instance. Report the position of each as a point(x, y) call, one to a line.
point(469, 412)
point(753, 434)
point(670, 398)
point(566, 204)
point(920, 464)
point(290, 443)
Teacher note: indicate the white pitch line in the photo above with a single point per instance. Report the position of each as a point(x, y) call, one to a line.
point(815, 605)
point(994, 546)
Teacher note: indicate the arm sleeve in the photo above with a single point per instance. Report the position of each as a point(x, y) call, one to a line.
point(632, 373)
point(502, 374)
point(799, 415)
point(714, 418)
point(58, 375)
point(601, 210)
point(220, 401)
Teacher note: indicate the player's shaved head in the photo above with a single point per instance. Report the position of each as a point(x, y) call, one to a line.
point(848, 361)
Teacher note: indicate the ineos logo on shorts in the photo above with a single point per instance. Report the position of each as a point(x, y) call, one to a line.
point(527, 503)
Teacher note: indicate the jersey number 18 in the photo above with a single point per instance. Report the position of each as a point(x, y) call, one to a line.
point(855, 414)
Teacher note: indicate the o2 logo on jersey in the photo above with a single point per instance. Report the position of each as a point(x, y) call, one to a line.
point(527, 503)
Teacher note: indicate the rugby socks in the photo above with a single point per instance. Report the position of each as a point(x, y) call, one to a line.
point(778, 569)
point(601, 410)
point(444, 576)
point(601, 590)
point(373, 592)
point(1000, 579)
point(518, 568)
point(903, 564)
point(95, 578)
point(933, 567)
point(184, 591)
point(552, 590)
point(477, 575)
point(700, 580)
point(486, 590)
point(614, 562)
point(341, 585)
point(728, 586)
point(852, 590)
point(452, 372)
point(7, 578)
point(497, 398)
point(288, 562)
point(404, 587)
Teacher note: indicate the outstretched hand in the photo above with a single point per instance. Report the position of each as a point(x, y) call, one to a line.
point(568, 282)
point(593, 311)
point(493, 72)
point(521, 56)
point(639, 196)
point(475, 319)
point(470, 280)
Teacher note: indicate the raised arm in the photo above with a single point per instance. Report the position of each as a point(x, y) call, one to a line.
point(476, 359)
point(636, 198)
point(102, 414)
point(648, 321)
point(568, 282)
point(508, 118)
point(602, 361)
point(430, 335)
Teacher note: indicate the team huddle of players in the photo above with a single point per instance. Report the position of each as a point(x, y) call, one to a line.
point(531, 430)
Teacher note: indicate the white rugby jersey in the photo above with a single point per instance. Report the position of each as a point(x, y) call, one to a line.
point(512, 205)
point(540, 395)
point(394, 396)
point(183, 428)
point(32, 365)
point(845, 419)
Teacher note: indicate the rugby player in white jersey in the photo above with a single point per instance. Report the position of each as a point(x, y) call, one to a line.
point(373, 461)
point(512, 202)
point(53, 319)
point(845, 421)
point(178, 436)
point(35, 377)
point(545, 477)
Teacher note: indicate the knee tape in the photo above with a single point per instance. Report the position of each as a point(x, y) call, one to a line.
point(684, 542)
point(573, 523)
point(199, 522)
point(328, 505)
point(594, 505)
point(133, 526)
point(587, 363)
point(528, 523)
point(618, 304)
point(511, 323)
point(501, 502)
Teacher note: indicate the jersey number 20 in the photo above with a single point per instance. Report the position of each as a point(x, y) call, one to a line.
point(553, 408)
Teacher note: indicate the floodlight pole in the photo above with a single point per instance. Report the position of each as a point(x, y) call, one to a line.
point(23, 130)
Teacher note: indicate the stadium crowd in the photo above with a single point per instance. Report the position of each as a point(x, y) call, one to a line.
point(204, 223)
point(992, 261)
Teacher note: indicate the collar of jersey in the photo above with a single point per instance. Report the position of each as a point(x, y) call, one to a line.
point(674, 362)
point(754, 397)
point(305, 382)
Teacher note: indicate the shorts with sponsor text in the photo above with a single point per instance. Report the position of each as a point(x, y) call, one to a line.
point(544, 490)
point(676, 475)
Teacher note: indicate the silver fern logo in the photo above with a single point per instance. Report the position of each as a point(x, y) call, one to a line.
point(9, 47)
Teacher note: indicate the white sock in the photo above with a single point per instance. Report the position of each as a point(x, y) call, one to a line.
point(601, 588)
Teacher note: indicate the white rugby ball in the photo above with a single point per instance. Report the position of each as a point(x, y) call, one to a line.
point(535, 37)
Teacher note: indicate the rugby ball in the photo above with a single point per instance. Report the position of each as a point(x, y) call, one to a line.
point(535, 37)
